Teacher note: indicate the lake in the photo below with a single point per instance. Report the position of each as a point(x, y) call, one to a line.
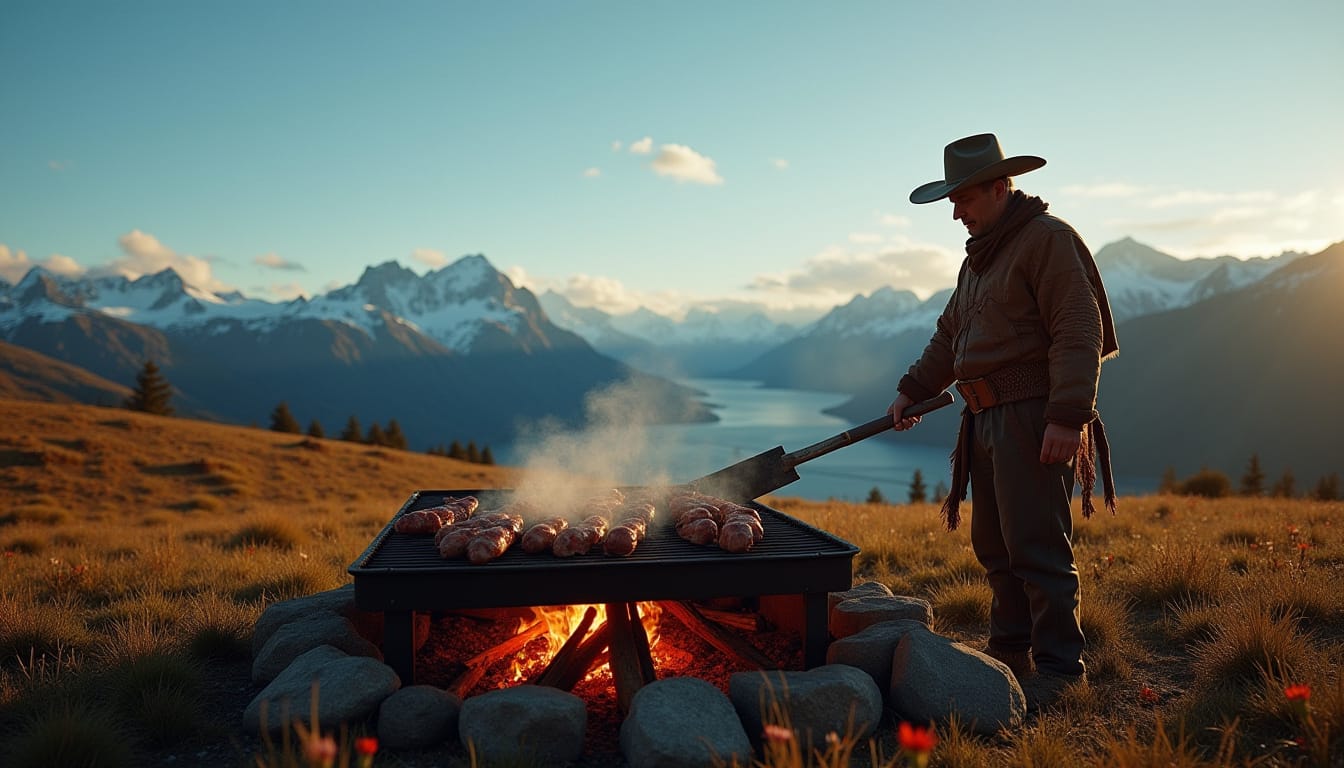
point(754, 419)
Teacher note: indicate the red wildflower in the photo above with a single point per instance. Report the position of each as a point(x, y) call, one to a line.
point(917, 739)
point(1297, 692)
point(366, 745)
point(1148, 695)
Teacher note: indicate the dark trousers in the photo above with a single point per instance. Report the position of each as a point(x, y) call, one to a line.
point(1022, 532)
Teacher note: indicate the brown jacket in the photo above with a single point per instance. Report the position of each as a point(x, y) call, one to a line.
point(1035, 302)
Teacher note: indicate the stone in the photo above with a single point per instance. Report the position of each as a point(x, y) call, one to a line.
point(866, 589)
point(833, 698)
point(301, 635)
point(276, 615)
point(682, 721)
point(871, 648)
point(853, 615)
point(933, 678)
point(349, 690)
point(418, 716)
point(524, 725)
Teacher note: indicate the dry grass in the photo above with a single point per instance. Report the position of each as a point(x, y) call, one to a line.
point(137, 551)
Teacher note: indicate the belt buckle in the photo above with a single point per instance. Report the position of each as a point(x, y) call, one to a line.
point(977, 393)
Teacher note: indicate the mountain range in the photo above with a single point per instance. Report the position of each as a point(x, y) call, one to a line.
point(461, 352)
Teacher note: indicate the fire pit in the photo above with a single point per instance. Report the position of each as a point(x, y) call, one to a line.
point(399, 575)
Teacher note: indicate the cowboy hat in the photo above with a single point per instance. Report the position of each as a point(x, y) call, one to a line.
point(970, 161)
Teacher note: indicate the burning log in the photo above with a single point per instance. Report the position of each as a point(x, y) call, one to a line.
point(628, 669)
point(574, 659)
point(645, 654)
point(747, 622)
point(717, 636)
point(481, 662)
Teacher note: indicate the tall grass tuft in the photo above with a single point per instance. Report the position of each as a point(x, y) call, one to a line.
point(160, 693)
point(1249, 643)
point(1106, 624)
point(1131, 750)
point(1175, 572)
point(962, 604)
point(70, 736)
point(272, 532)
point(217, 628)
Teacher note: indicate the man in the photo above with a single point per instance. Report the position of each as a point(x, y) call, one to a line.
point(1022, 338)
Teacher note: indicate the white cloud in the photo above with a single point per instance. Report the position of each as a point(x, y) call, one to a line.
point(430, 257)
point(143, 254)
point(1104, 190)
point(616, 146)
point(780, 163)
point(685, 164)
point(285, 291)
point(642, 147)
point(864, 238)
point(15, 264)
point(893, 220)
point(273, 260)
point(837, 273)
point(592, 173)
point(607, 294)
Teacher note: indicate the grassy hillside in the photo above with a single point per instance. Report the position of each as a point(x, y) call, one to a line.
point(136, 552)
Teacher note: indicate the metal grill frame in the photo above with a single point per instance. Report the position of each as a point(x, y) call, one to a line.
point(400, 575)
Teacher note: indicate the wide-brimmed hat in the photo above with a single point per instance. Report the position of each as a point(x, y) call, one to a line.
point(970, 161)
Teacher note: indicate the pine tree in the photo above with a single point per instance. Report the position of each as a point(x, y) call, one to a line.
point(315, 429)
point(283, 421)
point(940, 491)
point(395, 437)
point(456, 451)
point(918, 493)
point(152, 392)
point(1285, 486)
point(487, 456)
point(1169, 483)
point(1328, 488)
point(875, 496)
point(473, 453)
point(1253, 481)
point(352, 433)
point(376, 435)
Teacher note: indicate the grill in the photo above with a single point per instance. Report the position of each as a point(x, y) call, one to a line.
point(399, 575)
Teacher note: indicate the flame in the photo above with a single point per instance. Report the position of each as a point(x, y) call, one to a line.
point(562, 621)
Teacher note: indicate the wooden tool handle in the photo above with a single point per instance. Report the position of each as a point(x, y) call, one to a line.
point(863, 431)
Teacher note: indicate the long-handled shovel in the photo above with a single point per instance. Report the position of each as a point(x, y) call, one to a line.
point(774, 469)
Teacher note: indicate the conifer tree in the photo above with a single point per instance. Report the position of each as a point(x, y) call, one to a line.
point(1328, 488)
point(1169, 483)
point(940, 491)
point(315, 429)
point(395, 437)
point(376, 435)
point(875, 496)
point(153, 393)
point(918, 494)
point(1253, 480)
point(456, 451)
point(473, 453)
point(352, 433)
point(487, 456)
point(283, 421)
point(1285, 486)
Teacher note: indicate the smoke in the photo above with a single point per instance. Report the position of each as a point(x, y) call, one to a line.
point(617, 446)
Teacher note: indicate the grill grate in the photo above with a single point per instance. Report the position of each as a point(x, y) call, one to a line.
point(401, 574)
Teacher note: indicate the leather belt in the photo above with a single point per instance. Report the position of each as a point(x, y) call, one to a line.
point(1006, 385)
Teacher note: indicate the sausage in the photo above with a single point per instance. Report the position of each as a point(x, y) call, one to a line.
point(541, 536)
point(736, 537)
point(703, 531)
point(419, 522)
point(579, 538)
point(490, 543)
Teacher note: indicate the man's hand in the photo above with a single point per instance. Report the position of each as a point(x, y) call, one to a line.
point(898, 407)
point(1060, 443)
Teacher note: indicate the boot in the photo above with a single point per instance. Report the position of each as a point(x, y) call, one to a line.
point(1018, 662)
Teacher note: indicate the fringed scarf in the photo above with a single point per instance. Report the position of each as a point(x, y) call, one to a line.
point(1093, 446)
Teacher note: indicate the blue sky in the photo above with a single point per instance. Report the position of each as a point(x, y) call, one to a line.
point(648, 153)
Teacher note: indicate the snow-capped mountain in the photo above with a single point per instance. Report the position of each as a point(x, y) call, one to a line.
point(706, 342)
point(1141, 280)
point(459, 349)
